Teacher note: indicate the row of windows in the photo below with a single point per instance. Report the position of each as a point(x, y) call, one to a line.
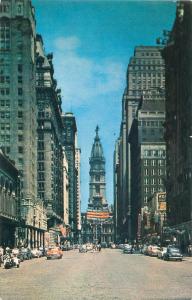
point(147, 61)
point(157, 153)
point(6, 138)
point(153, 181)
point(6, 149)
point(152, 131)
point(5, 115)
point(4, 79)
point(151, 172)
point(4, 91)
point(5, 126)
point(151, 123)
point(150, 53)
point(139, 75)
point(4, 38)
point(153, 190)
point(5, 103)
point(4, 8)
point(152, 162)
point(144, 81)
point(152, 68)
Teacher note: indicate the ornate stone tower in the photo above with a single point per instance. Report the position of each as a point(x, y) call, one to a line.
point(97, 185)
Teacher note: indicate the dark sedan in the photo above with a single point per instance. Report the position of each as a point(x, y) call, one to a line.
point(128, 250)
point(173, 254)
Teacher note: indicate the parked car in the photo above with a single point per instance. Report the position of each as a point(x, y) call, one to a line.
point(36, 253)
point(26, 253)
point(128, 249)
point(153, 250)
point(104, 245)
point(144, 249)
point(89, 247)
point(173, 254)
point(82, 249)
point(54, 252)
point(113, 246)
point(161, 252)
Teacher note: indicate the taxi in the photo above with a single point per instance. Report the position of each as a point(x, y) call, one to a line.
point(54, 252)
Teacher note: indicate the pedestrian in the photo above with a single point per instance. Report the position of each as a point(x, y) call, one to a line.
point(190, 250)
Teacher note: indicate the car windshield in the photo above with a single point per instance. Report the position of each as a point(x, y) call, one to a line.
point(174, 250)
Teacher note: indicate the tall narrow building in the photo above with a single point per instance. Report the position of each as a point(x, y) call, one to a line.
point(98, 221)
point(178, 60)
point(78, 191)
point(70, 142)
point(145, 108)
point(49, 137)
point(18, 109)
point(145, 78)
point(97, 184)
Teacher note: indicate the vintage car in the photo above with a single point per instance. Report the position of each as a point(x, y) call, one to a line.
point(54, 252)
point(153, 250)
point(173, 254)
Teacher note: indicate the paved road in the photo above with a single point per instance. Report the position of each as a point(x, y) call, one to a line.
point(108, 275)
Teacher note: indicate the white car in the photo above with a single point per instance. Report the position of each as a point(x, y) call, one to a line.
point(161, 252)
point(36, 253)
point(89, 247)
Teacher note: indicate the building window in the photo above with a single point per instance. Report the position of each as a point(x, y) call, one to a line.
point(20, 138)
point(20, 79)
point(4, 36)
point(20, 149)
point(20, 68)
point(20, 126)
point(20, 91)
point(97, 189)
point(97, 177)
point(20, 114)
point(20, 102)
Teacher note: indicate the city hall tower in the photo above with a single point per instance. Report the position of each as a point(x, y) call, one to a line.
point(97, 184)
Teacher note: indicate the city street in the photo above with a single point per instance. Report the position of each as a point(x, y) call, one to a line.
point(106, 275)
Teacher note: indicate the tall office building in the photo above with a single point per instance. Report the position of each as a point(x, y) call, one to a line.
point(145, 75)
point(148, 157)
point(69, 142)
point(146, 115)
point(178, 59)
point(78, 190)
point(18, 101)
point(49, 133)
point(116, 193)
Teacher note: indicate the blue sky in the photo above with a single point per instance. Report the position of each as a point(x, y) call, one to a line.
point(92, 42)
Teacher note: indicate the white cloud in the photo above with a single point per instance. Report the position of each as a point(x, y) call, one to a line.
point(83, 79)
point(67, 43)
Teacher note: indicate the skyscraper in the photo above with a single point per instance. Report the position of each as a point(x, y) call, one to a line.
point(18, 101)
point(147, 115)
point(178, 60)
point(49, 134)
point(145, 78)
point(69, 143)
